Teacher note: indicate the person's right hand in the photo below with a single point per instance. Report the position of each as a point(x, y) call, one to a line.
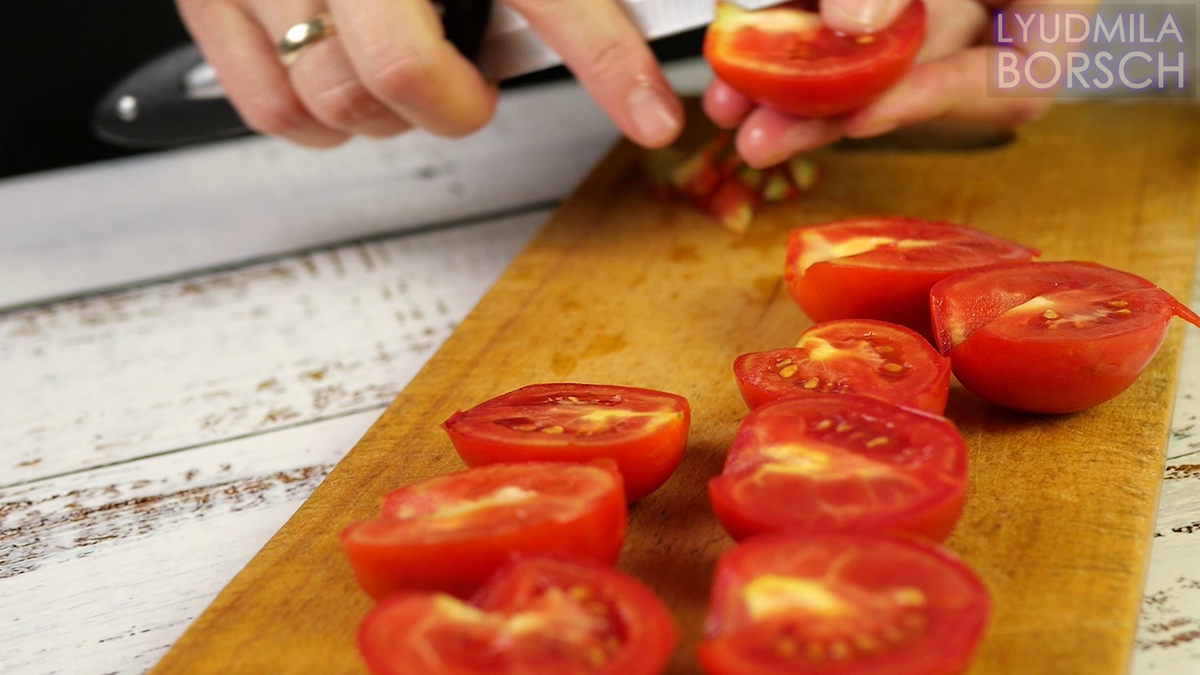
point(389, 68)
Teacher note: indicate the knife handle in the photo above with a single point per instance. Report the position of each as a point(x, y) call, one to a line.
point(175, 99)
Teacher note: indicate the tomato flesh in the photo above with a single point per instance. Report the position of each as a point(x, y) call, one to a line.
point(842, 604)
point(451, 532)
point(539, 616)
point(851, 356)
point(644, 431)
point(1051, 337)
point(841, 463)
point(883, 268)
point(787, 59)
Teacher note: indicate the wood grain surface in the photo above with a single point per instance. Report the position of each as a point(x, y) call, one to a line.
point(621, 289)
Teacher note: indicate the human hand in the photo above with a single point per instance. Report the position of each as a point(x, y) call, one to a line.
point(947, 82)
point(388, 68)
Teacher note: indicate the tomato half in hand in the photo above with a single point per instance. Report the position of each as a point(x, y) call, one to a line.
point(1053, 337)
point(841, 463)
point(883, 268)
point(644, 431)
point(851, 356)
point(450, 533)
point(539, 616)
point(842, 604)
point(786, 58)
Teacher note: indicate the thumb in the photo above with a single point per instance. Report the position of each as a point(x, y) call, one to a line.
point(861, 16)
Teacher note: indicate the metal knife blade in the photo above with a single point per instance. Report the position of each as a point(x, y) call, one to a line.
point(177, 98)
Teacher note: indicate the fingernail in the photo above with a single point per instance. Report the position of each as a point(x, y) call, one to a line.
point(865, 13)
point(653, 115)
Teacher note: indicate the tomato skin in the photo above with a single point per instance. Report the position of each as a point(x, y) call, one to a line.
point(828, 450)
point(647, 444)
point(807, 69)
point(1050, 337)
point(862, 576)
point(636, 637)
point(849, 356)
point(579, 510)
point(883, 268)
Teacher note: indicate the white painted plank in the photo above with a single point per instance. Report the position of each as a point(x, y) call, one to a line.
point(100, 572)
point(117, 376)
point(148, 217)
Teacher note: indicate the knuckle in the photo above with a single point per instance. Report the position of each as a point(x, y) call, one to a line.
point(347, 105)
point(613, 58)
point(401, 76)
point(276, 115)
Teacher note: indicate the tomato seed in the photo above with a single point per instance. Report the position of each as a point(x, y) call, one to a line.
point(1050, 314)
point(865, 39)
point(552, 430)
point(1118, 303)
point(844, 427)
point(838, 650)
point(788, 371)
point(787, 647)
point(877, 441)
point(893, 367)
point(866, 644)
point(1123, 311)
point(824, 424)
point(812, 383)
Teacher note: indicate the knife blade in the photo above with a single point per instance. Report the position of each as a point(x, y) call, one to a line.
point(177, 98)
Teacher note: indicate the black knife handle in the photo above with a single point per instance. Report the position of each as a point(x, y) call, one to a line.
point(152, 108)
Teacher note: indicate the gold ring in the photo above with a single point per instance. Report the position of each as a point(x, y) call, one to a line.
point(304, 35)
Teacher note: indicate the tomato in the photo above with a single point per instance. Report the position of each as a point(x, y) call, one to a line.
point(539, 616)
point(644, 431)
point(841, 463)
point(787, 59)
point(842, 604)
point(851, 356)
point(450, 533)
point(733, 205)
point(1052, 337)
point(883, 268)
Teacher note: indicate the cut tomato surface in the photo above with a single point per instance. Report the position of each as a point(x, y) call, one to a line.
point(450, 533)
point(839, 463)
point(851, 356)
point(842, 604)
point(786, 58)
point(1051, 337)
point(644, 431)
point(539, 616)
point(883, 268)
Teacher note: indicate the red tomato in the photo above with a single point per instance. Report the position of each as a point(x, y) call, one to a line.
point(852, 356)
point(883, 268)
point(540, 616)
point(842, 604)
point(450, 533)
point(1053, 337)
point(644, 431)
point(841, 463)
point(787, 59)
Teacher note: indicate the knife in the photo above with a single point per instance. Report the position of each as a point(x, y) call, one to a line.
point(177, 99)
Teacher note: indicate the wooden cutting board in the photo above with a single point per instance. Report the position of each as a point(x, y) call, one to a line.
point(621, 289)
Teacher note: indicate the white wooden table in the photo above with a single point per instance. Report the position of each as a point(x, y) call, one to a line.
point(155, 434)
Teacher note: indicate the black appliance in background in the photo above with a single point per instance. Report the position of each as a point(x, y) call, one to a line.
point(59, 58)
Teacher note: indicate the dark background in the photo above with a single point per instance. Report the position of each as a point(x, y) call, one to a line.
point(59, 57)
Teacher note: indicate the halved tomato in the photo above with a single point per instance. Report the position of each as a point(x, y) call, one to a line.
point(883, 268)
point(1052, 337)
point(450, 533)
point(851, 356)
point(644, 431)
point(841, 463)
point(786, 58)
point(842, 604)
point(539, 616)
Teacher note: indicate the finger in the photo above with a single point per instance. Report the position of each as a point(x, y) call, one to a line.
point(861, 16)
point(768, 137)
point(605, 51)
point(951, 26)
point(400, 54)
point(952, 88)
point(725, 105)
point(256, 82)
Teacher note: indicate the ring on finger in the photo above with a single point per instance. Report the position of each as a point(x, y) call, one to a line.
point(304, 35)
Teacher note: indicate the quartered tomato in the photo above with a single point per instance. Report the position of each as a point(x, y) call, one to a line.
point(851, 356)
point(1053, 337)
point(644, 431)
point(842, 604)
point(540, 616)
point(451, 532)
point(841, 463)
point(883, 268)
point(787, 59)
